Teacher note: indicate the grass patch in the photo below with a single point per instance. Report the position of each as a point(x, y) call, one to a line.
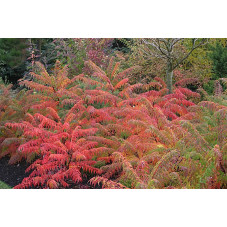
point(4, 185)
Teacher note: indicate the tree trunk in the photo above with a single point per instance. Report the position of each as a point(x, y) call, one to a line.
point(40, 46)
point(169, 78)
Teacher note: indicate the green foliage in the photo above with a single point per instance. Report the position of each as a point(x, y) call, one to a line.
point(208, 173)
point(72, 53)
point(198, 64)
point(13, 55)
point(218, 56)
point(45, 52)
point(209, 87)
point(4, 185)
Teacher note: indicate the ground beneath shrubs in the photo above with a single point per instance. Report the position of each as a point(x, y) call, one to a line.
point(13, 175)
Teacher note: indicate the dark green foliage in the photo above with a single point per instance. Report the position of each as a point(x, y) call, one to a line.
point(45, 50)
point(209, 87)
point(122, 45)
point(13, 55)
point(219, 60)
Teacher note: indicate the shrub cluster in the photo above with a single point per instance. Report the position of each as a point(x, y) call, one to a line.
point(100, 129)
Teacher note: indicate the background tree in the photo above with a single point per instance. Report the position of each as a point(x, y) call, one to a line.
point(13, 55)
point(218, 56)
point(171, 51)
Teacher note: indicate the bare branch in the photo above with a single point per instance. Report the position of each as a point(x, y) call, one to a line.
point(166, 53)
point(153, 54)
point(156, 46)
point(176, 40)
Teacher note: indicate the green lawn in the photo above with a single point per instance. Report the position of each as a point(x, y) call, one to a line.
point(4, 185)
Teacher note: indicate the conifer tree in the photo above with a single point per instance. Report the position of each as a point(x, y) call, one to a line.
point(219, 59)
point(13, 55)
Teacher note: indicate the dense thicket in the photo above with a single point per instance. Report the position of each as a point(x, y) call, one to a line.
point(95, 119)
